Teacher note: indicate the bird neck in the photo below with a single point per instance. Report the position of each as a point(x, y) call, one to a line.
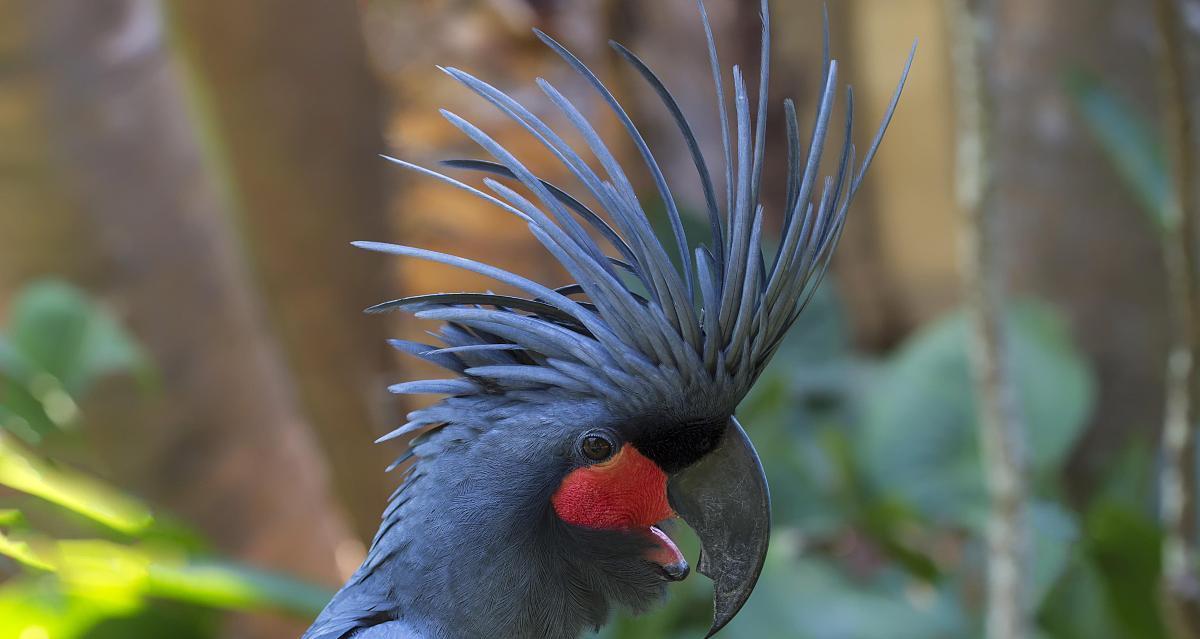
point(464, 553)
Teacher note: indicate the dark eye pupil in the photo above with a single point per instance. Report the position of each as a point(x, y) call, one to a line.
point(596, 448)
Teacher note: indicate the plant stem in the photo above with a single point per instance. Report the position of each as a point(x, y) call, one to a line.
point(1002, 432)
point(1180, 586)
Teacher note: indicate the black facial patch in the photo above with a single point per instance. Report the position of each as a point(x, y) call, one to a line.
point(674, 449)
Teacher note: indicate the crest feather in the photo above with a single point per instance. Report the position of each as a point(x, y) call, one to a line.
point(634, 329)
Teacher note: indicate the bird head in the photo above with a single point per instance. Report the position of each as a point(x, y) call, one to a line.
point(586, 415)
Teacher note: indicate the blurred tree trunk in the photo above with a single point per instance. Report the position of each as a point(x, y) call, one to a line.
point(492, 40)
point(298, 116)
point(909, 195)
point(222, 443)
point(867, 284)
point(1002, 429)
point(658, 32)
point(867, 279)
point(1180, 95)
point(36, 213)
point(1076, 236)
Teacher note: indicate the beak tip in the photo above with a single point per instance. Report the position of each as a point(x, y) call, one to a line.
point(725, 500)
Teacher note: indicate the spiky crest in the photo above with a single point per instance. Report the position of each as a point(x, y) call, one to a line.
point(701, 334)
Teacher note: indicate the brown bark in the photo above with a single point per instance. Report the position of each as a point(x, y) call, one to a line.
point(900, 270)
point(38, 219)
point(222, 443)
point(287, 90)
point(494, 42)
point(1074, 234)
point(1178, 489)
point(669, 37)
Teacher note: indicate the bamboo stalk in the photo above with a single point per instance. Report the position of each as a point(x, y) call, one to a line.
point(1000, 421)
point(1180, 584)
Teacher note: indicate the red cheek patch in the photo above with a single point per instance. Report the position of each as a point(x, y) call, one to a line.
point(629, 491)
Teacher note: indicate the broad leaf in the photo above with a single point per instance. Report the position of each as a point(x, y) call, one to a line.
point(56, 329)
point(920, 435)
point(1128, 140)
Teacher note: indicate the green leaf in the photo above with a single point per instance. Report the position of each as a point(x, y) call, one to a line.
point(99, 567)
point(919, 437)
point(47, 324)
point(10, 517)
point(806, 598)
point(39, 607)
point(24, 472)
point(24, 554)
point(154, 572)
point(810, 598)
point(1076, 608)
point(1128, 140)
point(22, 415)
point(234, 587)
point(1130, 480)
point(13, 364)
point(802, 394)
point(1124, 546)
point(1055, 534)
point(56, 329)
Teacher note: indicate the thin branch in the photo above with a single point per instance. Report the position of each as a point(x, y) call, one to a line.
point(1000, 421)
point(1181, 586)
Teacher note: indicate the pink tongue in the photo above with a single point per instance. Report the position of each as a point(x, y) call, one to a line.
point(667, 553)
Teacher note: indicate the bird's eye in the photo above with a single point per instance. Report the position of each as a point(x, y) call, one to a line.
point(595, 447)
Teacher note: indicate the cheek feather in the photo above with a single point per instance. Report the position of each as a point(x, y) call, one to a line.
point(626, 492)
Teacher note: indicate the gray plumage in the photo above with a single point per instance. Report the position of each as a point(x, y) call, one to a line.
point(468, 546)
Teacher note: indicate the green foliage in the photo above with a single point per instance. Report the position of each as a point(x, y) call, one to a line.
point(875, 476)
point(922, 413)
point(1129, 142)
point(876, 483)
point(143, 577)
point(1124, 547)
point(82, 495)
point(815, 598)
point(56, 345)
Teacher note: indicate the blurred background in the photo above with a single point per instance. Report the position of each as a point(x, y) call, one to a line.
point(188, 391)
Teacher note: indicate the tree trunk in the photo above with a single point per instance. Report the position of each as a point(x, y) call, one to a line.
point(1002, 430)
point(1077, 237)
point(40, 229)
point(1178, 488)
point(493, 41)
point(901, 271)
point(298, 115)
point(222, 443)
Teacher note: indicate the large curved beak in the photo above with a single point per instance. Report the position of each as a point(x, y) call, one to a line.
point(724, 498)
